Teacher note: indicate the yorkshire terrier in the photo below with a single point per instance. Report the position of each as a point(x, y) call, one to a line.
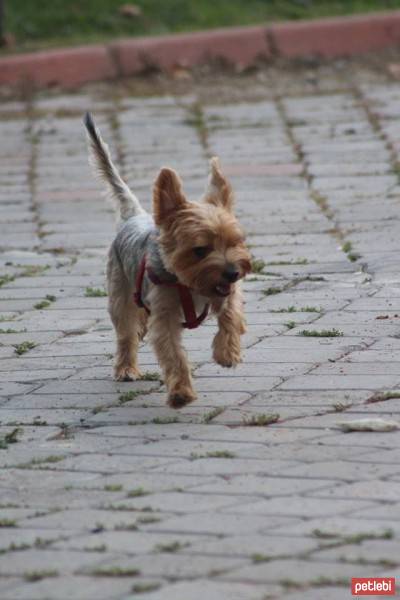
point(166, 272)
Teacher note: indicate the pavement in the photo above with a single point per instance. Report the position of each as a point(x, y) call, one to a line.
point(108, 494)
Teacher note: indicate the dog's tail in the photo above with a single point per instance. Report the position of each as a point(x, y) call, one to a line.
point(100, 160)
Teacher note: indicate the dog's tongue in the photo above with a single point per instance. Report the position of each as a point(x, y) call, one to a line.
point(223, 289)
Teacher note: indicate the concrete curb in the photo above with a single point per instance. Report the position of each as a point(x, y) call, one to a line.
point(326, 38)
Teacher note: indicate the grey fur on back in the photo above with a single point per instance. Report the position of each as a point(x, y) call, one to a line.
point(100, 159)
point(136, 238)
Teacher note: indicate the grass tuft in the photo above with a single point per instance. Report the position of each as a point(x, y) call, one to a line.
point(261, 420)
point(150, 376)
point(128, 396)
point(164, 420)
point(208, 417)
point(9, 438)
point(170, 548)
point(137, 493)
point(114, 572)
point(33, 576)
point(49, 299)
point(113, 488)
point(322, 333)
point(8, 523)
point(144, 588)
point(257, 265)
point(6, 279)
point(24, 347)
point(271, 291)
point(91, 292)
point(215, 454)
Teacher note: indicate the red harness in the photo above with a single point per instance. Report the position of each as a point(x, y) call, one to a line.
point(185, 296)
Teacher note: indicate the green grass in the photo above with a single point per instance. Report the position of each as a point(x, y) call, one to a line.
point(91, 292)
point(71, 21)
point(137, 493)
point(271, 291)
point(45, 303)
point(208, 417)
point(144, 588)
point(6, 279)
point(257, 265)
point(33, 576)
point(9, 438)
point(322, 333)
point(8, 523)
point(215, 454)
point(261, 420)
point(292, 309)
point(164, 420)
point(150, 376)
point(283, 263)
point(51, 459)
point(128, 396)
point(114, 572)
point(24, 347)
point(170, 548)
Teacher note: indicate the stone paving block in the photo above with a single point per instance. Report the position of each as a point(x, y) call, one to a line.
point(247, 485)
point(130, 542)
point(368, 490)
point(282, 481)
point(302, 572)
point(72, 586)
point(212, 590)
point(353, 524)
point(334, 382)
point(378, 551)
point(177, 565)
point(82, 521)
point(18, 563)
point(298, 506)
point(105, 463)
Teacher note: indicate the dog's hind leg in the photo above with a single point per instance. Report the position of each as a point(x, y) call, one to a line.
point(129, 321)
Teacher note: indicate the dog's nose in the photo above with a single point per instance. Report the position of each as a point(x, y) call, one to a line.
point(231, 274)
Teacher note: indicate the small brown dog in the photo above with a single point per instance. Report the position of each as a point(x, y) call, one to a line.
point(165, 274)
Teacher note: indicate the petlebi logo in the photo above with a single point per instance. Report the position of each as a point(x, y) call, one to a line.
point(373, 586)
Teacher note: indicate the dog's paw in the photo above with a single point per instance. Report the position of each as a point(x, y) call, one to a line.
point(227, 350)
point(180, 397)
point(127, 374)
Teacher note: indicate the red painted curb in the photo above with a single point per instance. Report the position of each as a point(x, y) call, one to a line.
point(69, 68)
point(331, 38)
point(325, 38)
point(238, 45)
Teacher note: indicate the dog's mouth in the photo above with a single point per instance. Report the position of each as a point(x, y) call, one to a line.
point(223, 289)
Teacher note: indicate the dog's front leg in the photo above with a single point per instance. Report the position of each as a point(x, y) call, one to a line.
point(231, 325)
point(166, 336)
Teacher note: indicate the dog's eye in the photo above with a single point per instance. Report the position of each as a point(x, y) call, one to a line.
point(201, 251)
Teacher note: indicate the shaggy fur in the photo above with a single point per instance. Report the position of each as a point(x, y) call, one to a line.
point(198, 244)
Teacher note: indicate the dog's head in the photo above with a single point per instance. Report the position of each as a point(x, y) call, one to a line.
point(201, 242)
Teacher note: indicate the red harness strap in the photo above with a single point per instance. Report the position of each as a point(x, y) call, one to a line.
point(185, 296)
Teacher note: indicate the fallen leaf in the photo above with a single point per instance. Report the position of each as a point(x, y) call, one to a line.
point(130, 10)
point(368, 425)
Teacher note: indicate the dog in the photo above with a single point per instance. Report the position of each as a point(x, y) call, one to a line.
point(166, 272)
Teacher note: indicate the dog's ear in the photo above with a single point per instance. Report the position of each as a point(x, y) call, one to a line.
point(167, 195)
point(219, 191)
